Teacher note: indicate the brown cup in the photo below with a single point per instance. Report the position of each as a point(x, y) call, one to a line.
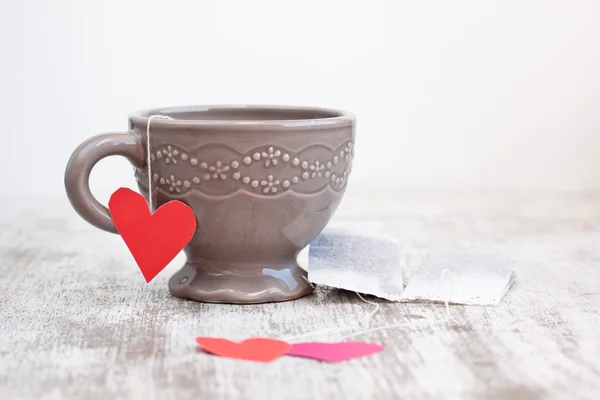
point(263, 181)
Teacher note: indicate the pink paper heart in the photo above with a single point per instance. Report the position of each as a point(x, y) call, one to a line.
point(333, 352)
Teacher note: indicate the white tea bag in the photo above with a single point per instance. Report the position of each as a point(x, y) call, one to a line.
point(370, 263)
point(352, 260)
point(476, 279)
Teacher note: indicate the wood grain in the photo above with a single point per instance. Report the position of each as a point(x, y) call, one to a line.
point(77, 320)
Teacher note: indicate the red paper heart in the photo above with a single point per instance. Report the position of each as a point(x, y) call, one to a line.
point(333, 352)
point(257, 349)
point(153, 239)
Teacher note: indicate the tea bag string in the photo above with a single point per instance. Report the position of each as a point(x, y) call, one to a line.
point(321, 332)
point(149, 160)
point(445, 271)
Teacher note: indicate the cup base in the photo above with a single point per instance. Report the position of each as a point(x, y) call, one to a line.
point(240, 283)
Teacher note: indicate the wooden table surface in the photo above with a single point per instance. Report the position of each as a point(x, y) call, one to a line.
point(77, 321)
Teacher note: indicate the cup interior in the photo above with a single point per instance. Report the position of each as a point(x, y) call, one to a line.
point(245, 113)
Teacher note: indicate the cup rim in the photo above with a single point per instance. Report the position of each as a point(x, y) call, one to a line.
point(335, 118)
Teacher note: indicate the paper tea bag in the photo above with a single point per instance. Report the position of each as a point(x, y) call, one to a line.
point(356, 261)
point(470, 278)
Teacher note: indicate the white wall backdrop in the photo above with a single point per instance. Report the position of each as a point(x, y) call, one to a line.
point(499, 94)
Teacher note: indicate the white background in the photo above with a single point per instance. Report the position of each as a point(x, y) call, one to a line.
point(473, 94)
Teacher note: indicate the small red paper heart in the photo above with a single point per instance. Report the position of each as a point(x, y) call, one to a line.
point(153, 239)
point(333, 352)
point(256, 349)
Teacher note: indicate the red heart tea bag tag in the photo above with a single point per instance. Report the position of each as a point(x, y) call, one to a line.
point(153, 239)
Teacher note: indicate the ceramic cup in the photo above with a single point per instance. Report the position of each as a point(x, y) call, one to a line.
point(263, 181)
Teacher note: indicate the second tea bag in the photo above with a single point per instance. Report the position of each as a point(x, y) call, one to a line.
point(462, 278)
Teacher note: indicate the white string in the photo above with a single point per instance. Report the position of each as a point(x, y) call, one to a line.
point(429, 323)
point(337, 330)
point(149, 160)
point(367, 319)
point(445, 271)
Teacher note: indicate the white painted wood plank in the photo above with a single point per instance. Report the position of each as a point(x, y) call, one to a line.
point(78, 321)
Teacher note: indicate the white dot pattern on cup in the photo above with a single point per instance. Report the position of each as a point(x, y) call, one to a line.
point(288, 171)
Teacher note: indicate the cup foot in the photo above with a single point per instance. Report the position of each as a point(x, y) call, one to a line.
point(240, 283)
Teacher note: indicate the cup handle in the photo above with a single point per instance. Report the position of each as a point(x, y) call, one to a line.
point(84, 158)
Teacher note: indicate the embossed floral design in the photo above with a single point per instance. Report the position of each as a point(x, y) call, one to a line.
point(269, 185)
point(174, 185)
point(169, 154)
point(270, 156)
point(301, 169)
point(317, 169)
point(218, 170)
